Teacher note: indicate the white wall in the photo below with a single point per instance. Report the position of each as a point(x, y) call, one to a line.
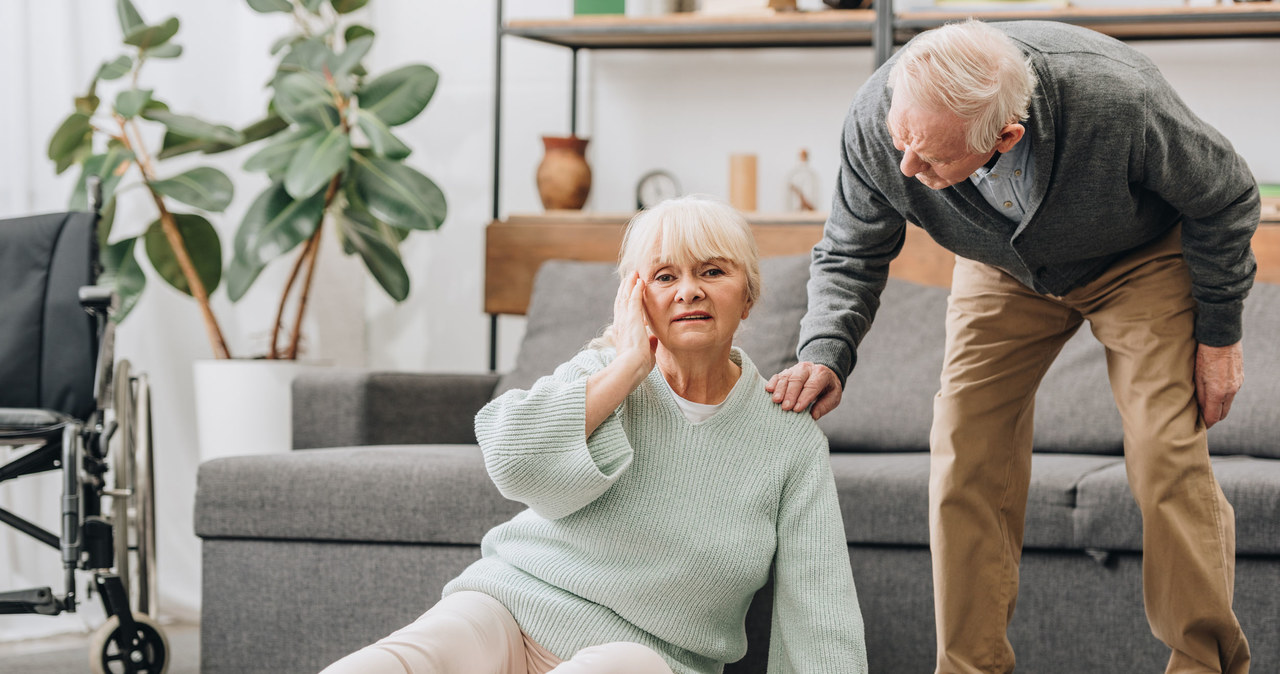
point(684, 111)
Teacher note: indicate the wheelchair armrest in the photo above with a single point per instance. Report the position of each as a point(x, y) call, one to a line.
point(352, 407)
point(97, 299)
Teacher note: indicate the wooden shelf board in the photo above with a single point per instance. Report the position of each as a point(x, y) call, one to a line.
point(831, 28)
point(1248, 19)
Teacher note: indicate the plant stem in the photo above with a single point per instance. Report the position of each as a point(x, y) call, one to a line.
point(308, 256)
point(273, 351)
point(171, 233)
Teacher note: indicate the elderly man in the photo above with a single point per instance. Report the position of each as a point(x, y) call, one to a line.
point(1073, 184)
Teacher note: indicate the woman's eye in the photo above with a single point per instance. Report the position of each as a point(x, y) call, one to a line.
point(713, 272)
point(664, 278)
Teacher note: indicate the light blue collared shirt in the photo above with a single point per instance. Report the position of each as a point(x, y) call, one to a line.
point(1007, 185)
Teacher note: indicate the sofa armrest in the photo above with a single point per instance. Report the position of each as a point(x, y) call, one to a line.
point(353, 407)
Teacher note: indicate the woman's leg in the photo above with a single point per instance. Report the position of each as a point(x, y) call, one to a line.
point(620, 657)
point(465, 633)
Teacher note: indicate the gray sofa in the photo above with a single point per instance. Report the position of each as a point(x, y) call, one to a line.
point(308, 555)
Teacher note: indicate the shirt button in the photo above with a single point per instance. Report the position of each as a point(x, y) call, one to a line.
point(1018, 173)
point(1008, 204)
point(995, 175)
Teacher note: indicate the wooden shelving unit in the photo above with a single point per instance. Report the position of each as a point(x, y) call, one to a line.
point(517, 244)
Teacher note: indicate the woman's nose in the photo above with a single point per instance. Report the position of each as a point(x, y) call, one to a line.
point(689, 290)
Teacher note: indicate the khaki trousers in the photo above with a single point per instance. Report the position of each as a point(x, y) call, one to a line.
point(473, 633)
point(1001, 338)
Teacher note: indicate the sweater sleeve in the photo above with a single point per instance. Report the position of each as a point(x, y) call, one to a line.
point(535, 445)
point(1194, 168)
point(817, 625)
point(850, 264)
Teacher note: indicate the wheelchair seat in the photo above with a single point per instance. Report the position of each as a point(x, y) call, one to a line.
point(70, 407)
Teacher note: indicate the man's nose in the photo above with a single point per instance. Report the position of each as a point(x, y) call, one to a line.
point(911, 163)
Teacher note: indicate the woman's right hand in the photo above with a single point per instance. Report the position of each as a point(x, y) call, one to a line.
point(631, 334)
point(636, 346)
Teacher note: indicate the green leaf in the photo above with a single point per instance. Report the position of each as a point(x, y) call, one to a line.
point(120, 268)
point(383, 142)
point(274, 157)
point(106, 218)
point(399, 95)
point(307, 55)
point(283, 42)
point(318, 159)
point(377, 248)
point(264, 128)
point(348, 6)
point(130, 102)
point(191, 127)
point(109, 169)
point(201, 241)
point(274, 225)
point(176, 144)
point(399, 195)
point(268, 6)
point(150, 37)
point(312, 6)
point(87, 104)
point(356, 31)
point(205, 188)
point(302, 98)
point(168, 50)
point(130, 20)
point(342, 65)
point(114, 70)
point(74, 132)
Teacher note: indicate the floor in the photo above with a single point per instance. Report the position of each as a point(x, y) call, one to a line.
point(69, 653)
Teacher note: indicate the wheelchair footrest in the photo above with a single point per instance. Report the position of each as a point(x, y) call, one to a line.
point(38, 600)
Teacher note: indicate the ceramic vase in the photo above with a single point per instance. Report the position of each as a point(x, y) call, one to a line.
point(564, 177)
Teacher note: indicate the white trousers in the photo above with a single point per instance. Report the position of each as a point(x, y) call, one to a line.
point(473, 633)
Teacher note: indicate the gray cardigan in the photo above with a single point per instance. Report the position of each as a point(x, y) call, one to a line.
point(1119, 157)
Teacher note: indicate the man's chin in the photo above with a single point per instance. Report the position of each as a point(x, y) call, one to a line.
point(934, 183)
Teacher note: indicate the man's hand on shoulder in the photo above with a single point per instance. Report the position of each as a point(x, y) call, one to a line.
point(804, 384)
point(1219, 375)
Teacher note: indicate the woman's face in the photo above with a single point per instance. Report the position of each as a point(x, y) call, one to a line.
point(697, 306)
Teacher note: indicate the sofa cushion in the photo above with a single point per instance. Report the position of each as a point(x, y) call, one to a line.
point(1253, 425)
point(884, 498)
point(1108, 518)
point(572, 302)
point(388, 494)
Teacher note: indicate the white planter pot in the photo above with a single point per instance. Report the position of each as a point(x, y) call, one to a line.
point(245, 406)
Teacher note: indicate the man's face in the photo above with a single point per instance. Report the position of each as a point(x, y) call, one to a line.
point(932, 144)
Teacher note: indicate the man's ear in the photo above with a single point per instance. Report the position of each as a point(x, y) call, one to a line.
point(1009, 136)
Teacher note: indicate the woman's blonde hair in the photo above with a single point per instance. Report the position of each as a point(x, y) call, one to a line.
point(970, 69)
point(688, 230)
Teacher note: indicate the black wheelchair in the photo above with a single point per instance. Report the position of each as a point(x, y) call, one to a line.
point(66, 405)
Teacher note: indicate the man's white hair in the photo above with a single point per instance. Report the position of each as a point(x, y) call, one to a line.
point(972, 70)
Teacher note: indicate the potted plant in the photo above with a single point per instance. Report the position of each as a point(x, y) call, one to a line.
point(326, 143)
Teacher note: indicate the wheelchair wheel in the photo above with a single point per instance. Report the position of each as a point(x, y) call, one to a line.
point(133, 505)
point(145, 651)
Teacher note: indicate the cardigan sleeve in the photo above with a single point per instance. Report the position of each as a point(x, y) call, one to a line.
point(535, 445)
point(862, 235)
point(1194, 168)
point(817, 625)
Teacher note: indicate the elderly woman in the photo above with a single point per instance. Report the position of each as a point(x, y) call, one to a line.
point(662, 484)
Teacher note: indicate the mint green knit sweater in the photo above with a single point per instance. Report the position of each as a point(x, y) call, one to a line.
point(659, 531)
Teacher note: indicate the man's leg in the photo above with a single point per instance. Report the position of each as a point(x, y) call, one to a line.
point(465, 633)
point(1001, 338)
point(1143, 312)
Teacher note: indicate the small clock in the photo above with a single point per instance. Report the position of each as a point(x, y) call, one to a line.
point(655, 187)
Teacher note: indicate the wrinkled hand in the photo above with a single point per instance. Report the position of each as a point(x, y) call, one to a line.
point(1219, 375)
point(631, 333)
point(805, 384)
